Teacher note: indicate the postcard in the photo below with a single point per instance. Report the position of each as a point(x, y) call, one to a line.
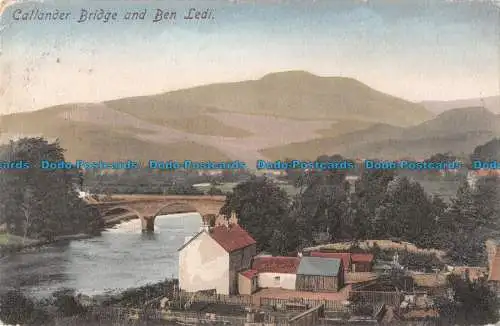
point(251, 152)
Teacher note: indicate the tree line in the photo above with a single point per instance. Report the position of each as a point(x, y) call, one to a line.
point(42, 204)
point(148, 181)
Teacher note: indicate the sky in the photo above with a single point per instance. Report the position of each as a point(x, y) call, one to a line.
point(414, 49)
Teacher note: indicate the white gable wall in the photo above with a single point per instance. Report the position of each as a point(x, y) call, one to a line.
point(270, 280)
point(204, 265)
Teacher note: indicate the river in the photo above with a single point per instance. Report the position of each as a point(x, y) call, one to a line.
point(121, 258)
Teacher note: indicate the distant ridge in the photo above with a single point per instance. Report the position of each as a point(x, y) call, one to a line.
point(492, 103)
point(457, 130)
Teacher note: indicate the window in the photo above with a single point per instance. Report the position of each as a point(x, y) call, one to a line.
point(276, 278)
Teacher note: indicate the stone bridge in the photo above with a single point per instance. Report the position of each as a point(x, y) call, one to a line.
point(148, 207)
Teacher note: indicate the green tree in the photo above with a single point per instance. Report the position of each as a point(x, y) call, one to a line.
point(324, 199)
point(298, 229)
point(15, 308)
point(471, 303)
point(462, 213)
point(261, 207)
point(485, 198)
point(65, 302)
point(42, 203)
point(470, 221)
point(367, 200)
point(490, 151)
point(408, 212)
point(338, 211)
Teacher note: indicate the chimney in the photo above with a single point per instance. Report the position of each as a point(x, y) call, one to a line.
point(205, 226)
point(234, 218)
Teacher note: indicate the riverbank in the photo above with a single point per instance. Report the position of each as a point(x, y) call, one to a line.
point(10, 244)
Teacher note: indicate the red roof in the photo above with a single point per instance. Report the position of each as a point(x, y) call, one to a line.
point(285, 265)
point(362, 258)
point(486, 172)
point(251, 273)
point(344, 256)
point(232, 237)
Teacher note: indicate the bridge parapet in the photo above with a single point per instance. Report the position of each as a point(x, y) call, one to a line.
point(147, 208)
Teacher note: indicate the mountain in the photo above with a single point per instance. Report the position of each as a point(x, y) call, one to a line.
point(221, 121)
point(292, 94)
point(492, 103)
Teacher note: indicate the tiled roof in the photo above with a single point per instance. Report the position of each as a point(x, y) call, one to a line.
point(285, 265)
point(346, 257)
point(232, 237)
point(251, 273)
point(319, 266)
point(495, 268)
point(486, 172)
point(362, 258)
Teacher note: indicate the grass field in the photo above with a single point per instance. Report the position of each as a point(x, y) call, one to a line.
point(4, 239)
point(7, 239)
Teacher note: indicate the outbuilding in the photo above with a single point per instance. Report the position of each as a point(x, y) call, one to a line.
point(319, 274)
point(362, 262)
point(276, 272)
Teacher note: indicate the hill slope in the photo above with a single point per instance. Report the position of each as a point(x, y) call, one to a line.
point(458, 130)
point(293, 94)
point(454, 121)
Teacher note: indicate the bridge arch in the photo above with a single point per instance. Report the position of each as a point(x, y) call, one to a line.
point(178, 207)
point(126, 208)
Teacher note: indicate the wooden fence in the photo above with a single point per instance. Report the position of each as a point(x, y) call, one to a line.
point(309, 317)
point(303, 304)
point(125, 316)
point(242, 300)
point(375, 297)
point(290, 304)
point(190, 317)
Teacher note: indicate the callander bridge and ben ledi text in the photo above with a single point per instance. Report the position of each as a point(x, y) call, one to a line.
point(99, 15)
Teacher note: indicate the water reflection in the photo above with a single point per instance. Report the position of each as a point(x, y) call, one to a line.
point(122, 257)
point(148, 236)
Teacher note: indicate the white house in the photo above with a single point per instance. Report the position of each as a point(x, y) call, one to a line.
point(213, 258)
point(276, 272)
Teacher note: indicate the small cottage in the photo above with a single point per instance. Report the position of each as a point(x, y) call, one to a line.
point(213, 258)
point(276, 272)
point(362, 262)
point(248, 282)
point(318, 274)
